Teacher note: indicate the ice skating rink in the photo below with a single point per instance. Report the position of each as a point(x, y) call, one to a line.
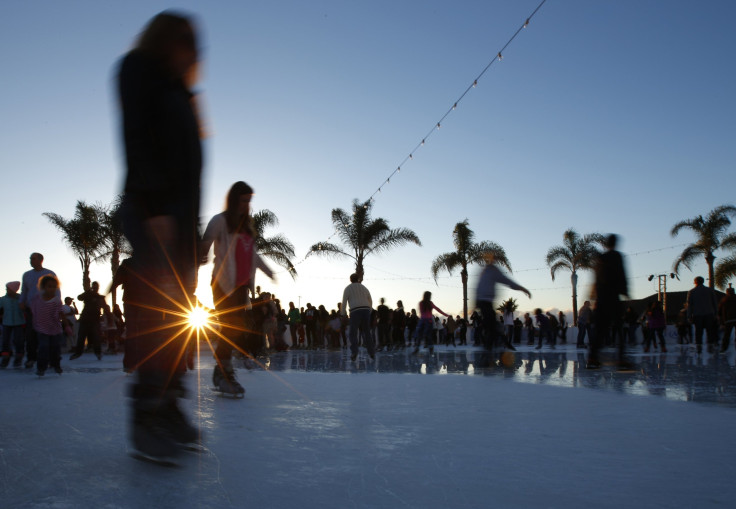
point(454, 430)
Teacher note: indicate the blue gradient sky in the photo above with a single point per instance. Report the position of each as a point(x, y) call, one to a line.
point(603, 116)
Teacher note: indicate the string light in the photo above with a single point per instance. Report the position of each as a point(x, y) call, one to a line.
point(438, 125)
point(498, 57)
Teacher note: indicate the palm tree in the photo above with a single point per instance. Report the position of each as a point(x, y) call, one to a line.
point(362, 235)
point(83, 233)
point(510, 303)
point(576, 253)
point(726, 268)
point(277, 248)
point(114, 242)
point(710, 233)
point(467, 252)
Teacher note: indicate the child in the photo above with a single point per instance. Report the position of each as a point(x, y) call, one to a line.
point(47, 318)
point(13, 321)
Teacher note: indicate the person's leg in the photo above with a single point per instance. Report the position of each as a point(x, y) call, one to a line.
point(55, 343)
point(31, 339)
point(42, 357)
point(699, 322)
point(711, 330)
point(365, 326)
point(581, 335)
point(95, 337)
point(163, 277)
point(292, 334)
point(19, 340)
point(662, 345)
point(353, 331)
point(599, 336)
point(230, 309)
point(81, 336)
point(489, 324)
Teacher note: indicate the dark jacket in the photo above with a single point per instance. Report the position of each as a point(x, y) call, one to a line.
point(610, 277)
point(162, 140)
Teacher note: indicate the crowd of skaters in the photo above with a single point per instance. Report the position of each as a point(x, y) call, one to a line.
point(99, 329)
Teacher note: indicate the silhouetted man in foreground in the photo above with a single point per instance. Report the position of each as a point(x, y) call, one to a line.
point(610, 283)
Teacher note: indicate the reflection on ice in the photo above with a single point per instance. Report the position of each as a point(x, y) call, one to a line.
point(679, 375)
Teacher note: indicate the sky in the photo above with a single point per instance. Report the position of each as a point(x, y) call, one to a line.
point(602, 116)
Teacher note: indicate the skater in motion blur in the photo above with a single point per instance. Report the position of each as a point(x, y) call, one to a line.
point(160, 215)
point(233, 279)
point(486, 292)
point(610, 283)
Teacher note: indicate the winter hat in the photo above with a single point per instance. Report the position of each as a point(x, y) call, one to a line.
point(13, 286)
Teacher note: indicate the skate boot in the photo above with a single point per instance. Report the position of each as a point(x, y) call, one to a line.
point(223, 378)
point(151, 435)
point(184, 434)
point(5, 360)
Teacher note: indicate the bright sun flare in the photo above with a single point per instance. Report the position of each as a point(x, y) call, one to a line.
point(198, 317)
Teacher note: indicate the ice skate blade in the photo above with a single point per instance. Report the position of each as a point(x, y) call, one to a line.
point(167, 462)
point(229, 395)
point(194, 447)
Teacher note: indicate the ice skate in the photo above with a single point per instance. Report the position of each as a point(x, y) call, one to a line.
point(5, 360)
point(186, 436)
point(223, 379)
point(151, 436)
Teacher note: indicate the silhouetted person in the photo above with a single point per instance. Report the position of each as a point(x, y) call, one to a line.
point(384, 325)
point(28, 290)
point(610, 283)
point(89, 322)
point(701, 309)
point(656, 324)
point(727, 316)
point(160, 217)
point(585, 319)
point(398, 324)
point(359, 299)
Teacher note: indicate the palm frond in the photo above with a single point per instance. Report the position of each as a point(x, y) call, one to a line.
point(686, 258)
point(264, 219)
point(328, 250)
point(447, 261)
point(479, 251)
point(725, 271)
point(386, 240)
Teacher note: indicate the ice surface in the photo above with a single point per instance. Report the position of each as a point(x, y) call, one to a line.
point(317, 431)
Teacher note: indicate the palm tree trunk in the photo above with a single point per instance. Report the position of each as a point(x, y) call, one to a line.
point(85, 273)
point(574, 281)
point(464, 278)
point(710, 260)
